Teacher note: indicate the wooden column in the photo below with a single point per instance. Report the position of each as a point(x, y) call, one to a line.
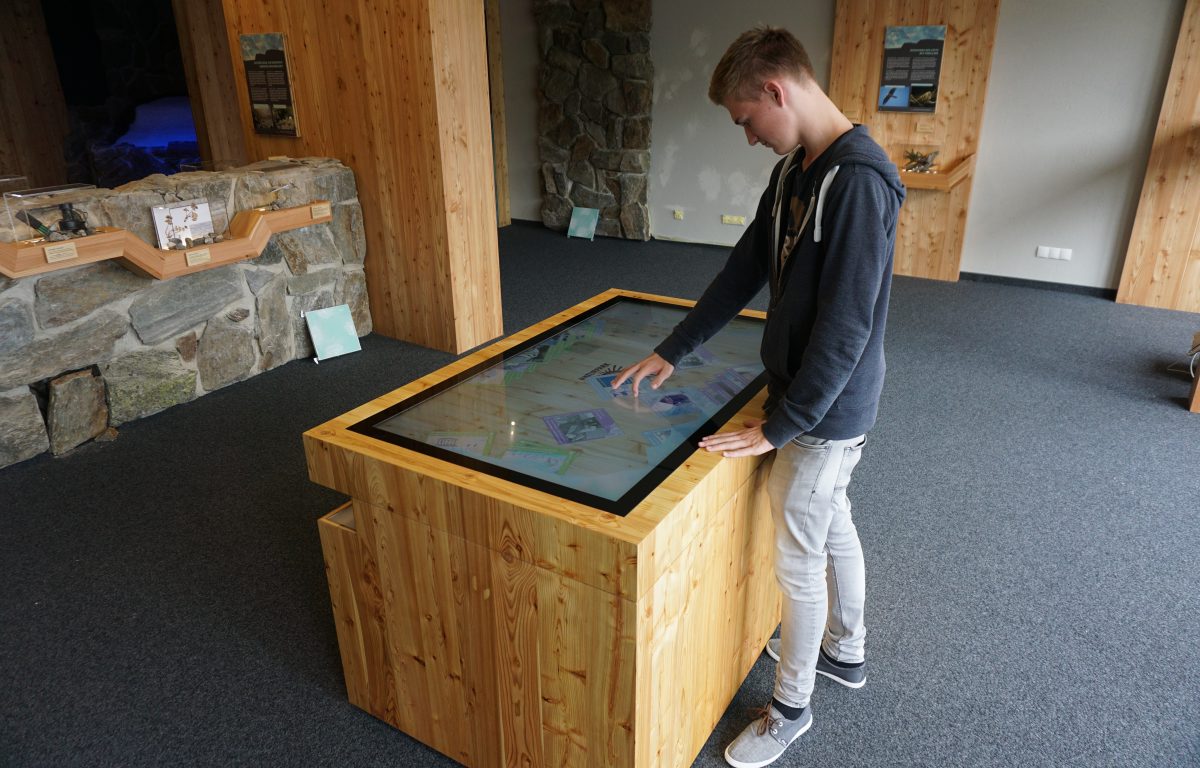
point(499, 136)
point(398, 91)
point(932, 223)
point(33, 114)
point(208, 67)
point(1162, 265)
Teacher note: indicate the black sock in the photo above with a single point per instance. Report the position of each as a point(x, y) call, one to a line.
point(791, 713)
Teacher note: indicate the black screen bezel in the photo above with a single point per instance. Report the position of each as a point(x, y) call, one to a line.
point(620, 507)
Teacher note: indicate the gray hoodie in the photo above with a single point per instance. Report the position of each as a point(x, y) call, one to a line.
point(823, 342)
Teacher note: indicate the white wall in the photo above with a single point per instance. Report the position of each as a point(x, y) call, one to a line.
point(1075, 91)
point(1072, 103)
point(700, 162)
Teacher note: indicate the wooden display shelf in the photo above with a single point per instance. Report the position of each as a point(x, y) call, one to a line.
point(504, 625)
point(248, 235)
point(940, 182)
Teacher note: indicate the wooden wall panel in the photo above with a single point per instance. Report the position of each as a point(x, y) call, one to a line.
point(499, 130)
point(208, 66)
point(398, 92)
point(1162, 264)
point(33, 115)
point(932, 225)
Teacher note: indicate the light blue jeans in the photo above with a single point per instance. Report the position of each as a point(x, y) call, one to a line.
point(822, 606)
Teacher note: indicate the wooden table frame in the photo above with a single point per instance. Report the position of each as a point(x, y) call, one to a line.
point(502, 625)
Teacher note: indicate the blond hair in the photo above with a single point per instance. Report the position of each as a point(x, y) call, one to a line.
point(757, 55)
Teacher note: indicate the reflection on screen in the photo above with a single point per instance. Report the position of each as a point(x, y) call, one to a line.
point(548, 410)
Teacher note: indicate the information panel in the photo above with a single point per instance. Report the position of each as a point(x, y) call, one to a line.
point(268, 84)
point(912, 65)
point(545, 415)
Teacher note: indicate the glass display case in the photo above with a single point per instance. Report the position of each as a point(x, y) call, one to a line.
point(48, 213)
point(544, 413)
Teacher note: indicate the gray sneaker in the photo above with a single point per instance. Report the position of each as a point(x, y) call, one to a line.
point(851, 677)
point(765, 739)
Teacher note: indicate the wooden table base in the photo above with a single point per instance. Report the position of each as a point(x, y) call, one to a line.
point(506, 626)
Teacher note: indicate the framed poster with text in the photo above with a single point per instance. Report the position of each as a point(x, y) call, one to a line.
point(269, 85)
point(912, 63)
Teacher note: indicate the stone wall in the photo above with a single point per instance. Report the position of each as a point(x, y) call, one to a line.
point(86, 349)
point(594, 112)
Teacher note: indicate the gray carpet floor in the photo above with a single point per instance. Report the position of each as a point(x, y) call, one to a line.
point(1029, 504)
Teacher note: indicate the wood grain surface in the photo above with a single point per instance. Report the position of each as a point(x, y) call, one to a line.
point(932, 223)
point(33, 112)
point(1162, 264)
point(499, 129)
point(249, 233)
point(398, 91)
point(208, 67)
point(571, 636)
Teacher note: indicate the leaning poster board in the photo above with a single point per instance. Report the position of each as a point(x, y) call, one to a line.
point(332, 330)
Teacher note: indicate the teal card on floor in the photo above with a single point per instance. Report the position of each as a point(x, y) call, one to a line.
point(583, 222)
point(332, 331)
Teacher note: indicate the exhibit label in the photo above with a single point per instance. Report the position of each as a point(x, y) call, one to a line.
point(196, 258)
point(60, 252)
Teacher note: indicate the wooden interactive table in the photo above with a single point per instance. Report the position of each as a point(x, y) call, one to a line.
point(497, 598)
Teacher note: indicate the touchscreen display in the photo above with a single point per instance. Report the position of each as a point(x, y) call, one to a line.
point(545, 414)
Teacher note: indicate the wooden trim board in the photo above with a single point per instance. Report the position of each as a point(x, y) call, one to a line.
point(249, 233)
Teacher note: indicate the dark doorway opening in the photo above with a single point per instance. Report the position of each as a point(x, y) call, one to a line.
point(123, 82)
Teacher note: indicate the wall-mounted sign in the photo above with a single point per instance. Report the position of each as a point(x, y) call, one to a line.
point(268, 82)
point(912, 63)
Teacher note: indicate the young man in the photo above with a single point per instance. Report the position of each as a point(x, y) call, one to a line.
point(822, 238)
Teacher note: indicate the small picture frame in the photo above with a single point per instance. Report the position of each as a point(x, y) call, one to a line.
point(176, 224)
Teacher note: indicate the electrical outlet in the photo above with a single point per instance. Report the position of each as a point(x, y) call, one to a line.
point(728, 219)
point(679, 214)
point(1049, 252)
